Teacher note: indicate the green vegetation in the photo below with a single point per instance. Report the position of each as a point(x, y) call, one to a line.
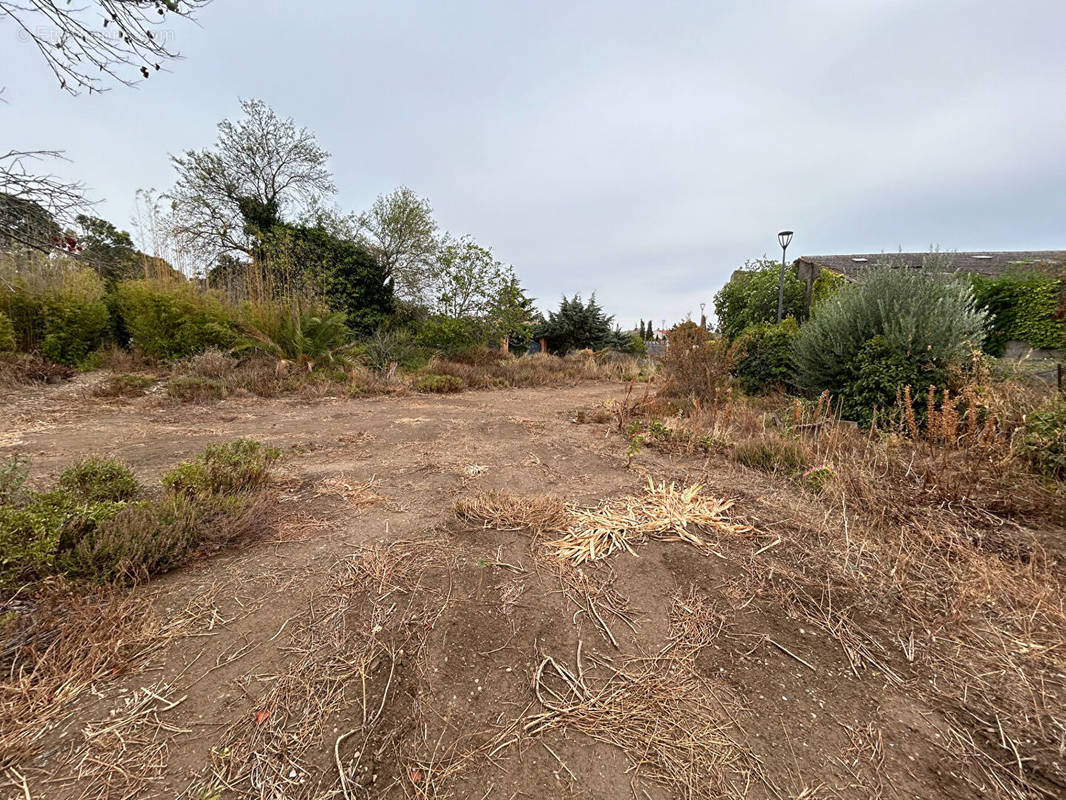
point(1043, 443)
point(578, 325)
point(750, 296)
point(897, 327)
point(1024, 307)
point(439, 384)
point(765, 361)
point(96, 480)
point(771, 454)
point(173, 319)
point(90, 527)
point(7, 334)
point(223, 469)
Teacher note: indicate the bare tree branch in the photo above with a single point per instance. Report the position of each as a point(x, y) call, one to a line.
point(86, 45)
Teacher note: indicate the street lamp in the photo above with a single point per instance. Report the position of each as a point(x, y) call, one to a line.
point(784, 237)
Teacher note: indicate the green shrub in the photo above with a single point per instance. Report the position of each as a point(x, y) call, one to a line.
point(451, 336)
point(898, 326)
point(1043, 443)
point(189, 388)
point(439, 384)
point(7, 334)
point(1021, 307)
point(140, 538)
point(386, 347)
point(27, 545)
point(76, 318)
point(237, 466)
point(765, 363)
point(94, 480)
point(750, 296)
point(173, 319)
point(13, 474)
point(770, 455)
point(817, 479)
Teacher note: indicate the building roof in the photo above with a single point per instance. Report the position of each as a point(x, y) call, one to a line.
point(988, 263)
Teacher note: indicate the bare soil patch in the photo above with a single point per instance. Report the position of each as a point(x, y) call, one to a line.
point(382, 645)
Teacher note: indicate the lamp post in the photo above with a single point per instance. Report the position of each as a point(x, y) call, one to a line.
point(784, 237)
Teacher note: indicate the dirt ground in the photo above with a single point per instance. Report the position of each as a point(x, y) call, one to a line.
point(376, 645)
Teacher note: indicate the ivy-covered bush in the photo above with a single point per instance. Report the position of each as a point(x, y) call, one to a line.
point(750, 296)
point(898, 326)
point(1022, 307)
point(173, 319)
point(765, 362)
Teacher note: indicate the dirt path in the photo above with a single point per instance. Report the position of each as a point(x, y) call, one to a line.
point(450, 625)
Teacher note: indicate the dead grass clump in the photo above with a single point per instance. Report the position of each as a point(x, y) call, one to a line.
point(505, 511)
point(211, 363)
point(664, 512)
point(356, 495)
point(56, 646)
point(190, 389)
point(123, 384)
point(21, 369)
point(668, 722)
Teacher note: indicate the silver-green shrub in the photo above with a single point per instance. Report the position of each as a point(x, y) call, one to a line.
point(899, 325)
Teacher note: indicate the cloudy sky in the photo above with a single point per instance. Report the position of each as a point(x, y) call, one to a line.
point(639, 150)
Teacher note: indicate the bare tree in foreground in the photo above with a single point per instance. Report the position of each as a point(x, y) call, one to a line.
point(87, 44)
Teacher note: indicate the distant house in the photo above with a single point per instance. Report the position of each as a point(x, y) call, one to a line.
point(991, 264)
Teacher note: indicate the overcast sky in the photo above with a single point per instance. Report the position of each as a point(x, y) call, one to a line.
point(639, 150)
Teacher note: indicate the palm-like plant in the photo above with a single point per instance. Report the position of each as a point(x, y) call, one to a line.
point(308, 338)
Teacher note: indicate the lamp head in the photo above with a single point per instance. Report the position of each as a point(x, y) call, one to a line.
point(784, 237)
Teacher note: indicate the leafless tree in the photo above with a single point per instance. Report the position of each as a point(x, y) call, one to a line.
point(260, 168)
point(400, 231)
point(85, 45)
point(90, 43)
point(26, 195)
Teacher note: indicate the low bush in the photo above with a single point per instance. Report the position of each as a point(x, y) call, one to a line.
point(95, 480)
point(238, 466)
point(764, 364)
point(88, 527)
point(1043, 440)
point(384, 348)
point(439, 384)
point(189, 388)
point(696, 363)
point(173, 319)
point(771, 455)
